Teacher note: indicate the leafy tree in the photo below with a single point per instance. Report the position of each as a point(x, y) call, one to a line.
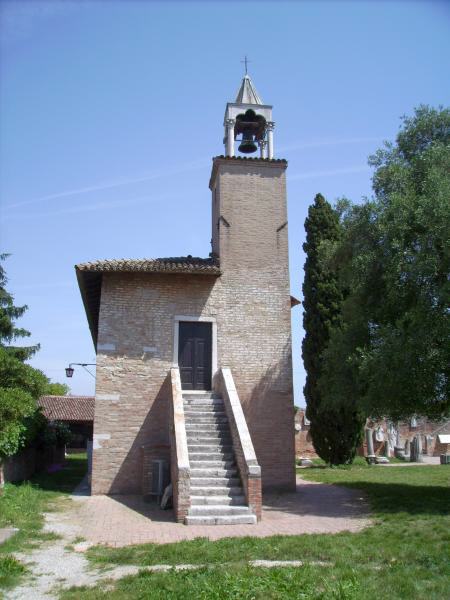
point(392, 349)
point(57, 389)
point(9, 313)
point(335, 429)
point(15, 405)
point(16, 374)
point(20, 384)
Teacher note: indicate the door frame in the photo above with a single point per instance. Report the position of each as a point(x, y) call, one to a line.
point(176, 336)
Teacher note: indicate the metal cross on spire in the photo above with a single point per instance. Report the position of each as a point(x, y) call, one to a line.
point(246, 61)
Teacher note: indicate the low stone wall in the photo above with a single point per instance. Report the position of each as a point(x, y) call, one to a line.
point(440, 448)
point(248, 466)
point(179, 457)
point(23, 465)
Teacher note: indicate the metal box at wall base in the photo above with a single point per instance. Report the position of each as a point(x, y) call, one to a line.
point(160, 478)
point(445, 459)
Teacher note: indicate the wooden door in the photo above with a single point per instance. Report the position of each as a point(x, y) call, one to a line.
point(194, 355)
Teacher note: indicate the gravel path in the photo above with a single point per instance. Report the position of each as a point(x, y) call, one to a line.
point(314, 508)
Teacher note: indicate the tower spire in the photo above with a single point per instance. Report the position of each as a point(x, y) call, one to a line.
point(247, 93)
point(249, 118)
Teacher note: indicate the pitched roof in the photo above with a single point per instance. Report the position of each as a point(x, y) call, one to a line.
point(180, 264)
point(90, 276)
point(247, 93)
point(67, 408)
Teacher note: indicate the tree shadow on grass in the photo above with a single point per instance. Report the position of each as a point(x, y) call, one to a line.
point(391, 498)
point(318, 500)
point(355, 499)
point(65, 479)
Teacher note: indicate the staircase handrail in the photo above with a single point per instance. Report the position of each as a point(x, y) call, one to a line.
point(180, 467)
point(247, 462)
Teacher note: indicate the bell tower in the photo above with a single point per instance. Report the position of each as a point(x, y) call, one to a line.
point(250, 239)
point(251, 119)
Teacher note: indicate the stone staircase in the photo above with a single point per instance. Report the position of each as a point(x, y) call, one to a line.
point(217, 497)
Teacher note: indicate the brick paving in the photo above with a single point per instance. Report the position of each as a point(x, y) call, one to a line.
point(313, 508)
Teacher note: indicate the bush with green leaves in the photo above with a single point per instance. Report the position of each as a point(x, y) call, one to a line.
point(20, 384)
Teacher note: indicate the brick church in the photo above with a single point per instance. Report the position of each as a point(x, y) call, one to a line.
point(194, 364)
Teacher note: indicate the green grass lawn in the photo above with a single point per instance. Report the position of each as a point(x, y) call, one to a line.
point(22, 506)
point(404, 555)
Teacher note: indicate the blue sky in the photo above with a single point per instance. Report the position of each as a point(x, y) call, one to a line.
point(111, 112)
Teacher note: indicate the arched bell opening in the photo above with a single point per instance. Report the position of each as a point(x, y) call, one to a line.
point(252, 128)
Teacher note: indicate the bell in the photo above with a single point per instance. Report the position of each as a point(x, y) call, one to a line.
point(247, 145)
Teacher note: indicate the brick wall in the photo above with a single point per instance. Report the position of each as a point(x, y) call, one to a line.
point(440, 448)
point(251, 305)
point(250, 235)
point(303, 442)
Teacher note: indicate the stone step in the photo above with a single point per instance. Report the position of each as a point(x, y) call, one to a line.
point(212, 414)
point(196, 427)
point(208, 435)
point(215, 481)
point(213, 472)
point(213, 443)
point(207, 409)
point(200, 394)
point(212, 464)
point(220, 520)
point(219, 510)
point(213, 402)
point(206, 448)
point(223, 456)
point(205, 419)
point(222, 491)
point(218, 500)
point(209, 441)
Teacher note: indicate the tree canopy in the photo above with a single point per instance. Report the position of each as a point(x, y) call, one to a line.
point(20, 384)
point(391, 350)
point(9, 313)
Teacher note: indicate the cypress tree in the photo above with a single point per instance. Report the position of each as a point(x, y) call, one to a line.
point(335, 430)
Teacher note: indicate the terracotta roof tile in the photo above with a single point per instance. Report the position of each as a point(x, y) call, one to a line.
point(180, 264)
point(67, 408)
point(90, 276)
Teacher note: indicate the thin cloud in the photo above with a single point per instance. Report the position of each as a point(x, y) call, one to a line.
point(107, 204)
point(191, 166)
point(330, 173)
point(107, 185)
